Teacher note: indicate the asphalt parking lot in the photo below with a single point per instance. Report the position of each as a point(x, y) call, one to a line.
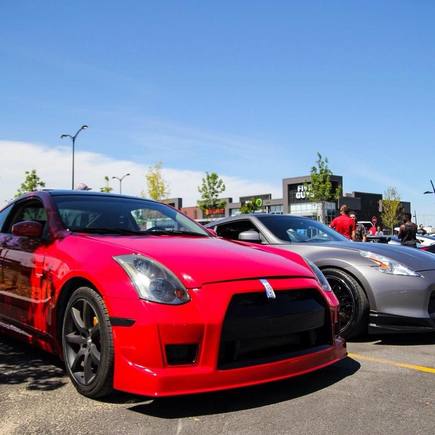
point(387, 385)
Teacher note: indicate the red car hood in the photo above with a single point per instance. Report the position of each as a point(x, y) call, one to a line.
point(200, 260)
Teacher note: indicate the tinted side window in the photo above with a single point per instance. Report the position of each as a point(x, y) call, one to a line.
point(28, 211)
point(3, 215)
point(233, 229)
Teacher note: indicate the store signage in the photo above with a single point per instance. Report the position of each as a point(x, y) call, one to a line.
point(303, 191)
point(265, 197)
point(214, 211)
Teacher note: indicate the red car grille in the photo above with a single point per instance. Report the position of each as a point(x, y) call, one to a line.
point(257, 330)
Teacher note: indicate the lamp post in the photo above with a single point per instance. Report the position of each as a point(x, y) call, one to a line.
point(430, 191)
point(120, 179)
point(73, 139)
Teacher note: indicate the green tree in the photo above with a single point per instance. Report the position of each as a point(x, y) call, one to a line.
point(31, 183)
point(251, 206)
point(320, 189)
point(211, 187)
point(157, 187)
point(107, 187)
point(390, 208)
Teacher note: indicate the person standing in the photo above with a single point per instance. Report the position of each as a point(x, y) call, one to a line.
point(360, 230)
point(344, 224)
point(372, 230)
point(408, 232)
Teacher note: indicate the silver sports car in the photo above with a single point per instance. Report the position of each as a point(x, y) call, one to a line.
point(381, 288)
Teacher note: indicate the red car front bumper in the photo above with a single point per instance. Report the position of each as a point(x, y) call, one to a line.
point(141, 362)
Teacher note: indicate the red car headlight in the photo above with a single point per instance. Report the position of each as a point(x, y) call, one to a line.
point(153, 281)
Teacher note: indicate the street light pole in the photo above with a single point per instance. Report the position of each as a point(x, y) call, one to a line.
point(73, 139)
point(430, 191)
point(120, 179)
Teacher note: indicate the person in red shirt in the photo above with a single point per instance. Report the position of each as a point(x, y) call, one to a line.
point(344, 224)
point(372, 230)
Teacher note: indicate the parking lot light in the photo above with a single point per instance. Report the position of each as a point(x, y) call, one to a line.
point(120, 179)
point(73, 139)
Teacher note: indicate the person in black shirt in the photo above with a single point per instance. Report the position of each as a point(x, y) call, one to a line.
point(408, 232)
point(360, 230)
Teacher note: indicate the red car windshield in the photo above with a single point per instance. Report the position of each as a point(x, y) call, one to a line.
point(112, 215)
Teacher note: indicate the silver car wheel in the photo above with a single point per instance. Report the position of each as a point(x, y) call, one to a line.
point(354, 306)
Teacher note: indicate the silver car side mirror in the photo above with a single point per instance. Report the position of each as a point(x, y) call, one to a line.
point(249, 236)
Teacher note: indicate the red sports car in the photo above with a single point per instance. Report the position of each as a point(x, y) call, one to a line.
point(135, 296)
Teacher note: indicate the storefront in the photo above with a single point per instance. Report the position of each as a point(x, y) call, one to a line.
point(296, 199)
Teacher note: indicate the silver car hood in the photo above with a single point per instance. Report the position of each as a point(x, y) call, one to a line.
point(415, 259)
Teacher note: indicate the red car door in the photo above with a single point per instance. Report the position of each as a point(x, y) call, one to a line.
point(22, 271)
point(4, 305)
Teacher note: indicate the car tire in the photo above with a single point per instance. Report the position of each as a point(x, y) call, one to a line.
point(354, 306)
point(87, 343)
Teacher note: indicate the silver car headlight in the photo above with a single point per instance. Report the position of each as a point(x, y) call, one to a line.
point(153, 281)
point(388, 265)
point(319, 275)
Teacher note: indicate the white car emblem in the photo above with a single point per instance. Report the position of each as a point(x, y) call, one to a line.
point(269, 290)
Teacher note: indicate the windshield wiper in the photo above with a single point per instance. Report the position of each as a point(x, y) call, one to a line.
point(106, 231)
point(164, 232)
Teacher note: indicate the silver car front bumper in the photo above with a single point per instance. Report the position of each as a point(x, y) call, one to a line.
point(403, 303)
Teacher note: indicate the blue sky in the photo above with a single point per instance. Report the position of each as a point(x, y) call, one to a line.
point(248, 89)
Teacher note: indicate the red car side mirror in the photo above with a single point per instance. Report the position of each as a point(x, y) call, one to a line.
point(31, 229)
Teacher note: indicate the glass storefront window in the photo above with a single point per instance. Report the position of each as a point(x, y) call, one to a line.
point(305, 209)
point(275, 209)
point(313, 210)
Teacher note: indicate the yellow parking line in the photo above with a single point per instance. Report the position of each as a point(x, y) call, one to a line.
point(392, 363)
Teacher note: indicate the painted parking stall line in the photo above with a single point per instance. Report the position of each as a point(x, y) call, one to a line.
point(418, 368)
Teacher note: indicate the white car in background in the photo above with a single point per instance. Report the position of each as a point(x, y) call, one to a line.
point(367, 224)
point(426, 243)
point(423, 241)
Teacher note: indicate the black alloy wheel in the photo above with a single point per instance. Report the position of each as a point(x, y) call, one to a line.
point(354, 306)
point(347, 302)
point(87, 343)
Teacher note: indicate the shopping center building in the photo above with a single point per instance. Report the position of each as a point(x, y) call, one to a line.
point(296, 200)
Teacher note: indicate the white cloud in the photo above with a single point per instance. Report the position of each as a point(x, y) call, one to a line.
point(53, 165)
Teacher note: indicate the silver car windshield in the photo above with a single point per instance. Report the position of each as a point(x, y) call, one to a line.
point(300, 230)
